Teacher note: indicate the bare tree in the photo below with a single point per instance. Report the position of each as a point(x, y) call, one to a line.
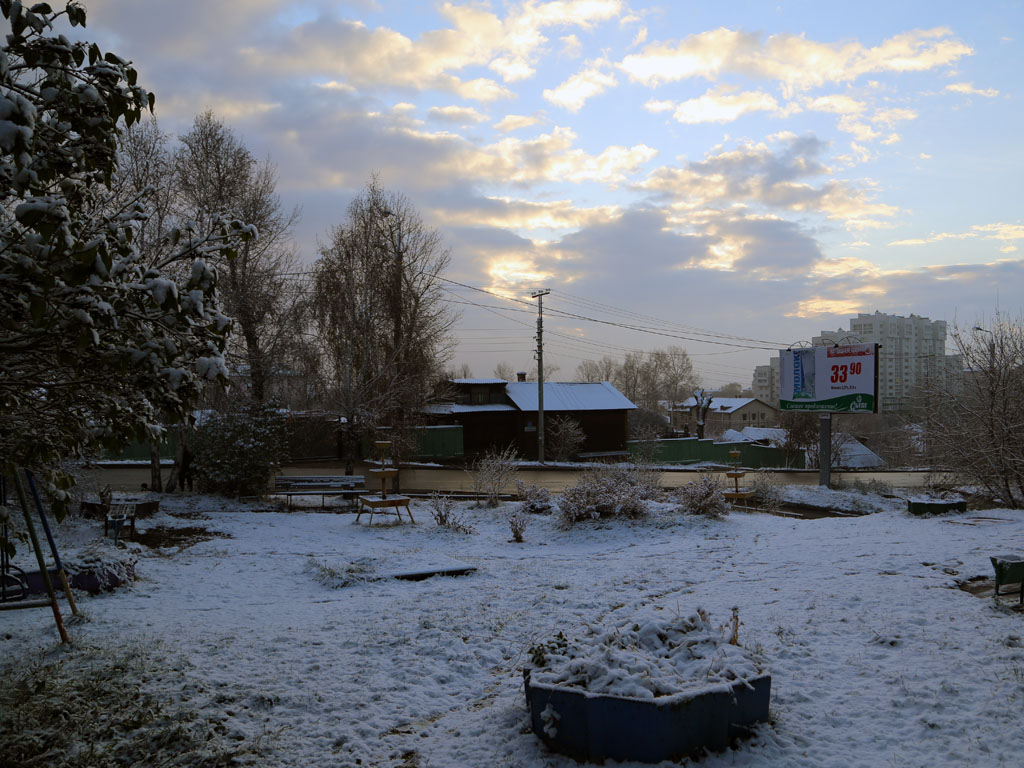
point(215, 174)
point(597, 370)
point(974, 427)
point(379, 315)
point(504, 371)
point(651, 380)
point(565, 437)
point(732, 389)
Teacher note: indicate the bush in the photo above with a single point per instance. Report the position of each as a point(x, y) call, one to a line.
point(443, 509)
point(533, 499)
point(236, 451)
point(517, 524)
point(607, 492)
point(767, 490)
point(493, 472)
point(705, 496)
point(564, 438)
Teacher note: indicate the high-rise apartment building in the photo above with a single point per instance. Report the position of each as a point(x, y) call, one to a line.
point(912, 352)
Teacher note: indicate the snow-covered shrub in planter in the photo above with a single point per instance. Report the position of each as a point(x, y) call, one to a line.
point(704, 496)
point(533, 499)
point(236, 451)
point(648, 691)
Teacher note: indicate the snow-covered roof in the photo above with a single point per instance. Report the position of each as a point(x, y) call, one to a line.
point(477, 381)
point(566, 396)
point(446, 409)
point(724, 404)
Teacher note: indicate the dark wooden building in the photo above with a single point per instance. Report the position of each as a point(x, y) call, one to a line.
point(495, 413)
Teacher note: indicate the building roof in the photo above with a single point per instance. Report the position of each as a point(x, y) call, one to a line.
point(446, 409)
point(725, 404)
point(477, 381)
point(566, 396)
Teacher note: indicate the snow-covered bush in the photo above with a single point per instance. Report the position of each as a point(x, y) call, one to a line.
point(607, 491)
point(533, 499)
point(767, 490)
point(492, 472)
point(704, 496)
point(444, 511)
point(517, 524)
point(645, 660)
point(236, 451)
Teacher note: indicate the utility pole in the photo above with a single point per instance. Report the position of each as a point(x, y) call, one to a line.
point(399, 342)
point(539, 296)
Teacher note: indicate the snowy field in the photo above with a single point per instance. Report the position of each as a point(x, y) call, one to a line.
point(284, 636)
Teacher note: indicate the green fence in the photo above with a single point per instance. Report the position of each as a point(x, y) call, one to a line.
point(139, 451)
point(691, 450)
point(440, 442)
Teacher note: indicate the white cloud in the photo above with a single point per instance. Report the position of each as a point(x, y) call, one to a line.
point(656, 105)
point(571, 46)
point(968, 89)
point(350, 52)
point(794, 61)
point(839, 104)
point(511, 123)
point(584, 85)
point(723, 104)
point(456, 115)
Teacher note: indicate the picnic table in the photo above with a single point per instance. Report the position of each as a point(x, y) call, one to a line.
point(347, 486)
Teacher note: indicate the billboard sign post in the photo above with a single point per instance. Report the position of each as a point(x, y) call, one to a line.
point(834, 379)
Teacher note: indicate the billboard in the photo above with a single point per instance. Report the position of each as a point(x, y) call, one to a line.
point(837, 379)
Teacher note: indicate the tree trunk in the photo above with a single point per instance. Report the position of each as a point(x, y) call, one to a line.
point(155, 478)
point(176, 480)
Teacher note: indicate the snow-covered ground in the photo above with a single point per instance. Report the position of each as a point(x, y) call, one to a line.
point(877, 659)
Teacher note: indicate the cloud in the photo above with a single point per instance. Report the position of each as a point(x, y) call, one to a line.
point(551, 156)
point(777, 176)
point(968, 89)
point(510, 123)
point(571, 46)
point(456, 115)
point(348, 51)
point(797, 63)
point(837, 103)
point(1007, 234)
point(585, 84)
point(524, 215)
point(723, 105)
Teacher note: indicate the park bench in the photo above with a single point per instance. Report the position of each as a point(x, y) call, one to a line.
point(1009, 570)
point(348, 487)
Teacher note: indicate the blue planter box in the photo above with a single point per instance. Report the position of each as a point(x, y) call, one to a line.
point(598, 727)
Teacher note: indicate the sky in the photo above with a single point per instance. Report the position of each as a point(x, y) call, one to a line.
point(733, 177)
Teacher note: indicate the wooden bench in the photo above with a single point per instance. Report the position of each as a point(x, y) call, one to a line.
point(346, 486)
point(1009, 570)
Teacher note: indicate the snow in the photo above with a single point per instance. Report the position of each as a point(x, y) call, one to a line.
point(568, 396)
point(876, 658)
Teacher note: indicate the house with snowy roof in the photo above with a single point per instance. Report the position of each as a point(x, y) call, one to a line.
point(725, 413)
point(495, 413)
